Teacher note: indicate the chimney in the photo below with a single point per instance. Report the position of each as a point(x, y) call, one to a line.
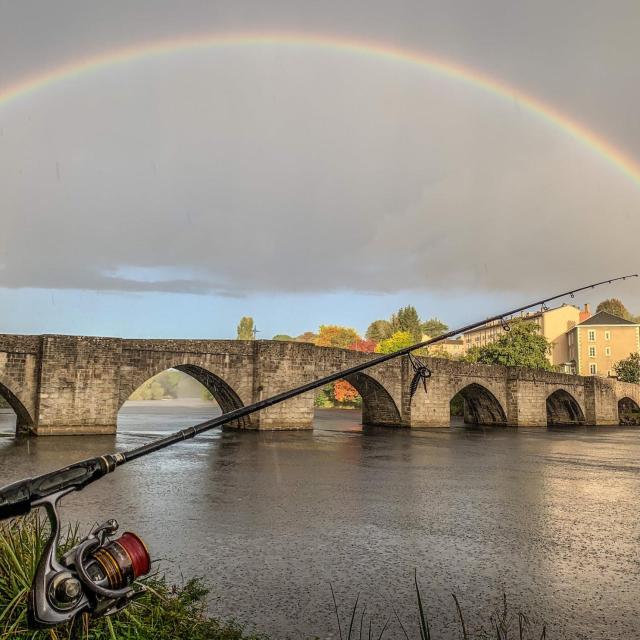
point(585, 314)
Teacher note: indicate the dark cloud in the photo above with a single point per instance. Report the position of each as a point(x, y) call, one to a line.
point(266, 169)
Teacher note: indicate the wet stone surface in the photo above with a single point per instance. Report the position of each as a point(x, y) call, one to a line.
point(270, 519)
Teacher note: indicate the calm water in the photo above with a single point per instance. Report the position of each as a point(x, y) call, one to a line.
point(272, 518)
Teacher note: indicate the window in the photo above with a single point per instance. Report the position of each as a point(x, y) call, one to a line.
point(592, 335)
point(592, 352)
point(593, 368)
point(607, 351)
point(607, 335)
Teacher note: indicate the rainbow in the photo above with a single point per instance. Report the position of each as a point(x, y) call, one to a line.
point(439, 66)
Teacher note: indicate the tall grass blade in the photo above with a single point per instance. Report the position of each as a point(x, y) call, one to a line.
point(406, 635)
point(465, 636)
point(424, 623)
point(362, 620)
point(335, 607)
point(353, 616)
point(386, 624)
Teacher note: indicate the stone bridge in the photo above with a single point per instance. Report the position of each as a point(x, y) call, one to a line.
point(76, 385)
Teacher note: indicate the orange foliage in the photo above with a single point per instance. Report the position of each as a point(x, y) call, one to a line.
point(331, 335)
point(344, 392)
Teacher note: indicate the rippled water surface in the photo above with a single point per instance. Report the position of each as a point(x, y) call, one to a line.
point(271, 519)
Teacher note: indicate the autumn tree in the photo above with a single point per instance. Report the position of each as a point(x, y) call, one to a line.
point(407, 320)
point(331, 335)
point(434, 328)
point(522, 346)
point(615, 307)
point(283, 337)
point(246, 328)
point(307, 336)
point(379, 330)
point(344, 392)
point(628, 370)
point(367, 346)
point(399, 340)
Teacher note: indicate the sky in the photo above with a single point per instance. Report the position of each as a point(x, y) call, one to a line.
point(168, 196)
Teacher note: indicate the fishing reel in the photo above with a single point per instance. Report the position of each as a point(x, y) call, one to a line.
point(96, 577)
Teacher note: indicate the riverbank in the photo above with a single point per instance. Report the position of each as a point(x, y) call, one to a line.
point(166, 612)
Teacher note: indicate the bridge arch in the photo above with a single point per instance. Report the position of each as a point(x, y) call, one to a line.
point(480, 405)
point(24, 420)
point(222, 392)
point(563, 409)
point(378, 407)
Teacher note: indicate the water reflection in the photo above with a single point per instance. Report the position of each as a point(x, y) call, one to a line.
point(272, 518)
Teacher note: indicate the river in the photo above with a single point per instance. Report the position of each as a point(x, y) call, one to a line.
point(271, 519)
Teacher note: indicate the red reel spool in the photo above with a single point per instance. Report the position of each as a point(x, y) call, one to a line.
point(122, 561)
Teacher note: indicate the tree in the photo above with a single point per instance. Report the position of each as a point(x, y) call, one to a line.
point(522, 346)
point(163, 385)
point(434, 327)
point(324, 397)
point(398, 340)
point(283, 337)
point(628, 370)
point(615, 307)
point(307, 336)
point(438, 351)
point(344, 392)
point(367, 346)
point(246, 328)
point(331, 335)
point(379, 330)
point(407, 319)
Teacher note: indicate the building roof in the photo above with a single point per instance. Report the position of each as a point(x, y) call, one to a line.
point(604, 317)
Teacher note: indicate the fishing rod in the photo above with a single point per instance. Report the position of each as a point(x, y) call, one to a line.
point(97, 577)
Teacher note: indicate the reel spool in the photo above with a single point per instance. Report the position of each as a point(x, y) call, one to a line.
point(96, 577)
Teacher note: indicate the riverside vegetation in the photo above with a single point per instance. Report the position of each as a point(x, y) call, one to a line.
point(167, 612)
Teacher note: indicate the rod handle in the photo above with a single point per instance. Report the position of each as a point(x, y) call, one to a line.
point(18, 498)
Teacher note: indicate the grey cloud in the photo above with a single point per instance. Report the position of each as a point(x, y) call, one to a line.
point(285, 170)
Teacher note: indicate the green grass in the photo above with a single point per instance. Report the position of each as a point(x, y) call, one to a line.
point(164, 612)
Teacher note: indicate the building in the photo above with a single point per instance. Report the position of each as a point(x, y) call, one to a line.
point(596, 344)
point(449, 348)
point(554, 325)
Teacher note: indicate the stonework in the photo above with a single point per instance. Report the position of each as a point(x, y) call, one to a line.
point(76, 384)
